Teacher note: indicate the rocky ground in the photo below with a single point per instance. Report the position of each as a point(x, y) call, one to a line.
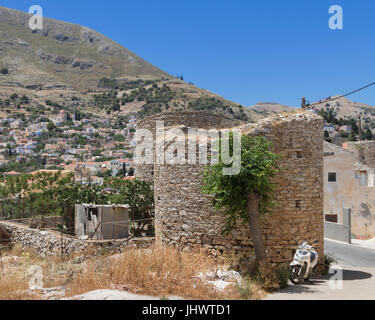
point(136, 274)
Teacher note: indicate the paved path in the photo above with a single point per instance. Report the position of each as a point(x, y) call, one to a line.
point(350, 254)
point(358, 268)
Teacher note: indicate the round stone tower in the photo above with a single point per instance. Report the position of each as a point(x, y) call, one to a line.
point(185, 217)
point(197, 119)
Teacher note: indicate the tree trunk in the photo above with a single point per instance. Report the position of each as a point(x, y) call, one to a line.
point(252, 207)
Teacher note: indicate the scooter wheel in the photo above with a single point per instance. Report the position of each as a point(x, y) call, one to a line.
point(296, 275)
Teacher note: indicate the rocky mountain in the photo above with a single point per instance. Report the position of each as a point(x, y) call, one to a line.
point(341, 111)
point(345, 108)
point(64, 54)
point(271, 107)
point(67, 66)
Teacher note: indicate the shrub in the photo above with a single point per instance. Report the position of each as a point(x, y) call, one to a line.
point(328, 260)
point(14, 96)
point(245, 289)
point(283, 277)
point(267, 278)
point(24, 100)
point(270, 278)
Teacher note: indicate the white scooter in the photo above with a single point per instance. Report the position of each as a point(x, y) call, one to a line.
point(304, 261)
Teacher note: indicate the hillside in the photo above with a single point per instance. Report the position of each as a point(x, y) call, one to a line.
point(67, 66)
point(271, 107)
point(64, 54)
point(345, 109)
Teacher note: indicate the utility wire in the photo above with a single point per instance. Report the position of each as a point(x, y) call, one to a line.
point(344, 95)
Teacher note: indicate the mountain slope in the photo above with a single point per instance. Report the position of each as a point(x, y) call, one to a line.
point(70, 67)
point(64, 54)
point(342, 111)
point(345, 108)
point(271, 107)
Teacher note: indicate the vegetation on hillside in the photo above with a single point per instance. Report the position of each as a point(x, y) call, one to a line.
point(4, 71)
point(124, 85)
point(212, 104)
point(330, 116)
point(158, 98)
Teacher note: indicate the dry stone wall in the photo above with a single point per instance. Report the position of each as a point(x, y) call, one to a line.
point(47, 243)
point(184, 216)
point(198, 119)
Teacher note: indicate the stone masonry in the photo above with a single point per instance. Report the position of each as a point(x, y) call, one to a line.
point(49, 243)
point(203, 120)
point(185, 217)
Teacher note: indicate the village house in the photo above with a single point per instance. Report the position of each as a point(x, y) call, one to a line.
point(93, 167)
point(67, 157)
point(346, 129)
point(349, 183)
point(16, 124)
point(3, 162)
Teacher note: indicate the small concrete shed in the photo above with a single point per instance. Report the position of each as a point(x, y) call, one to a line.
point(102, 222)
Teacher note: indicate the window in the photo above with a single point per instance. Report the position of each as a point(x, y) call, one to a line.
point(363, 178)
point(331, 218)
point(332, 177)
point(298, 204)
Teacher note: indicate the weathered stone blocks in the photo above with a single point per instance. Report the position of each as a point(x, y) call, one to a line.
point(184, 216)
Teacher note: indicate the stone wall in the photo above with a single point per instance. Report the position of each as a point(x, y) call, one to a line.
point(39, 222)
point(50, 243)
point(184, 215)
point(198, 119)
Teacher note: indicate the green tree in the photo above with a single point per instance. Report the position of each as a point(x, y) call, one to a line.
point(51, 126)
point(107, 173)
point(14, 96)
point(122, 171)
point(139, 196)
point(24, 100)
point(9, 149)
point(368, 134)
point(248, 194)
point(352, 136)
point(131, 172)
point(92, 194)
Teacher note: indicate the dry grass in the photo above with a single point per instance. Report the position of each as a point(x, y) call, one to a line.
point(160, 272)
point(271, 278)
point(156, 271)
point(15, 276)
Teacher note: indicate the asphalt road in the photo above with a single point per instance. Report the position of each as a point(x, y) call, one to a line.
point(350, 255)
point(358, 275)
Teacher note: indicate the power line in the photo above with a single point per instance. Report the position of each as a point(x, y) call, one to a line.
point(344, 95)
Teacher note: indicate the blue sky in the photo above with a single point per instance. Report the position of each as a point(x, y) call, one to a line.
point(245, 50)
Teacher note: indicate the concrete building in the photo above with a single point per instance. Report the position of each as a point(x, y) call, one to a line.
point(349, 183)
point(102, 222)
